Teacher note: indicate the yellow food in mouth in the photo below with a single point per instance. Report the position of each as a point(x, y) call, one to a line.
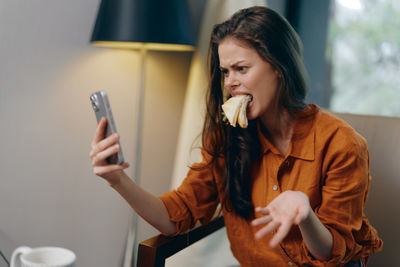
point(235, 109)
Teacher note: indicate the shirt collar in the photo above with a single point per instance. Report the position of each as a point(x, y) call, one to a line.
point(303, 139)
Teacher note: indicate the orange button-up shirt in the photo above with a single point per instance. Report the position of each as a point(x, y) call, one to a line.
point(327, 160)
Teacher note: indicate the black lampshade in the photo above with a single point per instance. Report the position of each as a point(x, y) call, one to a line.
point(157, 24)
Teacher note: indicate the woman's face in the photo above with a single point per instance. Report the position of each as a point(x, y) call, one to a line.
point(245, 72)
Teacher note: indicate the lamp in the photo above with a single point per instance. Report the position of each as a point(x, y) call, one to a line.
point(142, 25)
point(151, 24)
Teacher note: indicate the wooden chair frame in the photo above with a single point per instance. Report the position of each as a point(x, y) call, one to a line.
point(153, 252)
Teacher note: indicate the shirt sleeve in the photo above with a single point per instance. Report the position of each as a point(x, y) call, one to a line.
point(195, 199)
point(344, 191)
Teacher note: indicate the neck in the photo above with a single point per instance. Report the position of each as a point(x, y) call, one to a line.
point(278, 128)
point(278, 122)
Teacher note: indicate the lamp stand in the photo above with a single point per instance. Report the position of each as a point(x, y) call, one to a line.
point(132, 242)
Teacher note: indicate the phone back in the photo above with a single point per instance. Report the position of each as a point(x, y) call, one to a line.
point(101, 107)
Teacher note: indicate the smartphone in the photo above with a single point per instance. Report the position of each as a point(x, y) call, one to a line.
point(102, 108)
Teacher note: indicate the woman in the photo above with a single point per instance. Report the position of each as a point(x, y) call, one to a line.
point(292, 185)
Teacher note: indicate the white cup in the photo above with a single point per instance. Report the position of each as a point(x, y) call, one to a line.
point(42, 257)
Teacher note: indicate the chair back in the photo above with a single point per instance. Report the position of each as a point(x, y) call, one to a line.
point(382, 210)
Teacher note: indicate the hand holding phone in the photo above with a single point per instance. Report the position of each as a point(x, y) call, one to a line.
point(102, 108)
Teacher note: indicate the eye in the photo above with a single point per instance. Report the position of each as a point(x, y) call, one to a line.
point(224, 72)
point(242, 68)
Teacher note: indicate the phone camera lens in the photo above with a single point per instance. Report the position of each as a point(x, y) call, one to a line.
point(93, 99)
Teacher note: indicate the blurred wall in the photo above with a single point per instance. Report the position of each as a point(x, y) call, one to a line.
point(310, 19)
point(48, 194)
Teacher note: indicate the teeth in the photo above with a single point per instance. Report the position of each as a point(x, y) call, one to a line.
point(251, 98)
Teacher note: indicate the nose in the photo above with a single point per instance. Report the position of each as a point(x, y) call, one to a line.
point(231, 82)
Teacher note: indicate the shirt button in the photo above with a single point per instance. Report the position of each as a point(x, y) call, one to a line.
point(290, 263)
point(275, 187)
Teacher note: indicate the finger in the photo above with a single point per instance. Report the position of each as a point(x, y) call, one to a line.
point(264, 211)
point(125, 165)
point(266, 229)
point(281, 233)
point(101, 157)
point(99, 133)
point(261, 220)
point(104, 144)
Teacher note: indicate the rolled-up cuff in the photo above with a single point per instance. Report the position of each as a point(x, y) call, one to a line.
point(178, 212)
point(340, 252)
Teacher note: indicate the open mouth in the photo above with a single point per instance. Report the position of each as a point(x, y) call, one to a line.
point(250, 104)
point(250, 101)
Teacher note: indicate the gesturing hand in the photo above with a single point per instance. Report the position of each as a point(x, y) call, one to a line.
point(290, 207)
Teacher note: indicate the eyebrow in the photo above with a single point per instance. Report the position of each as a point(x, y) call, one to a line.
point(232, 65)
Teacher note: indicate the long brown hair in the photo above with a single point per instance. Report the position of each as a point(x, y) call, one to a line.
point(277, 43)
